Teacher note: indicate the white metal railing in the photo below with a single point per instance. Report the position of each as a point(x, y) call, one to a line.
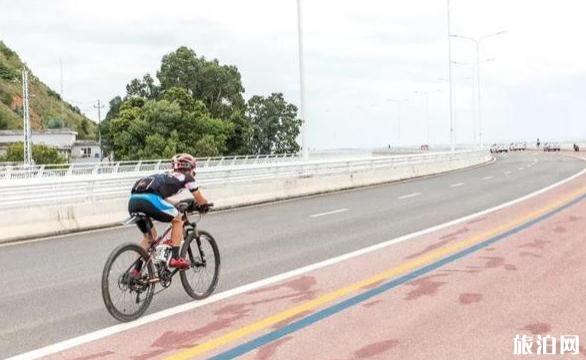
point(28, 192)
point(10, 171)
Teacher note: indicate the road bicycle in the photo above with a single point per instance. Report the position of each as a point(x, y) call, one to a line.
point(127, 297)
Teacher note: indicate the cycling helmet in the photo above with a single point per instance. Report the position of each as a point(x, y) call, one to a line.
point(183, 162)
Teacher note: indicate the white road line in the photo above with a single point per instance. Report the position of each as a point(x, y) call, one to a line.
point(408, 196)
point(62, 236)
point(488, 177)
point(507, 172)
point(521, 168)
point(102, 333)
point(456, 185)
point(329, 213)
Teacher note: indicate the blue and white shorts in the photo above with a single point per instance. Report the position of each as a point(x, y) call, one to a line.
point(153, 206)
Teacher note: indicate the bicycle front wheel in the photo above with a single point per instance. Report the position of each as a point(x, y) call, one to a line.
point(127, 297)
point(201, 279)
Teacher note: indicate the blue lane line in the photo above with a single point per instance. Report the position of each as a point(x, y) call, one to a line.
point(322, 314)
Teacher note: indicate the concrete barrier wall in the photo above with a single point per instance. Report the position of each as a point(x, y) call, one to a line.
point(57, 219)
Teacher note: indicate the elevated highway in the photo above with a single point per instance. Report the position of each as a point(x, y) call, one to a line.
point(52, 285)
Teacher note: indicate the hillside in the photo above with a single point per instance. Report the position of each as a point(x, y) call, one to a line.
point(45, 103)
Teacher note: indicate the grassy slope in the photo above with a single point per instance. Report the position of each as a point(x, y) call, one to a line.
point(45, 103)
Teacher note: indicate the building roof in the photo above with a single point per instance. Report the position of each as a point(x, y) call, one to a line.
point(62, 131)
point(86, 143)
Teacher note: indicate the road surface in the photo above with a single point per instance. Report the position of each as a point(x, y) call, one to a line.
point(52, 287)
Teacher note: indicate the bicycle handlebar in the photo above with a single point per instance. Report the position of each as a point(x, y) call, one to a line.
point(204, 207)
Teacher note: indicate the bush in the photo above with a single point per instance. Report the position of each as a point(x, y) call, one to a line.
point(7, 73)
point(3, 122)
point(54, 123)
point(41, 154)
point(5, 98)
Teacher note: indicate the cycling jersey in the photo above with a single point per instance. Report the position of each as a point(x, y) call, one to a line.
point(166, 184)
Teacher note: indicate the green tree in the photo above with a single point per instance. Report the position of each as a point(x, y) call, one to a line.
point(84, 129)
point(41, 154)
point(145, 88)
point(105, 126)
point(159, 129)
point(238, 142)
point(274, 125)
point(197, 108)
point(218, 86)
point(114, 109)
point(54, 123)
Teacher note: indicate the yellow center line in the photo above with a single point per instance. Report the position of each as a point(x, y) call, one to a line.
point(385, 275)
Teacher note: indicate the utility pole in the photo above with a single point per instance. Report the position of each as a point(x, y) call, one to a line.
point(304, 144)
point(28, 156)
point(99, 107)
point(61, 83)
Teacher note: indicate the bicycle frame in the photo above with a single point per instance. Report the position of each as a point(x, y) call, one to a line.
point(188, 227)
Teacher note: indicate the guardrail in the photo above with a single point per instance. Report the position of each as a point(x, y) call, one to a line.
point(28, 192)
point(19, 171)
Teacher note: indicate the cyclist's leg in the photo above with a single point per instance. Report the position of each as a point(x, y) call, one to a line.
point(163, 211)
point(176, 234)
point(149, 231)
point(141, 204)
point(166, 212)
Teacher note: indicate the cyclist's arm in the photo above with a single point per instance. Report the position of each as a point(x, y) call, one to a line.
point(199, 198)
point(193, 186)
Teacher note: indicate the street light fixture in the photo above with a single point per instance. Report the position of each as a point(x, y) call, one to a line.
point(477, 70)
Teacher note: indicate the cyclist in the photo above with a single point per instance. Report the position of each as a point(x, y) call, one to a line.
point(150, 196)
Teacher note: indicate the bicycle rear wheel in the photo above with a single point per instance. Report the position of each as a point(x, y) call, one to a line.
point(201, 279)
point(126, 297)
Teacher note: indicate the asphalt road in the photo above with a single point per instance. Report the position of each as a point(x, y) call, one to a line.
point(51, 288)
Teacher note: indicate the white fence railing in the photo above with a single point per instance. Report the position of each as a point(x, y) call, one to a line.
point(28, 192)
point(19, 171)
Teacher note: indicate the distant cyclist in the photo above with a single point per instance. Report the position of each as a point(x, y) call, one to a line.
point(149, 196)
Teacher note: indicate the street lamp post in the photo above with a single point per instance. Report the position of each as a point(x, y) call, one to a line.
point(304, 145)
point(451, 100)
point(478, 115)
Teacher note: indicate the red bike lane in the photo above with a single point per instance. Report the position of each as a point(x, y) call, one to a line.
point(527, 281)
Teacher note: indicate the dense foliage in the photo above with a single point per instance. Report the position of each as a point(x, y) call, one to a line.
point(197, 106)
point(41, 154)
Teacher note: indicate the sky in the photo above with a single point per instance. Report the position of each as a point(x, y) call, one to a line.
point(368, 63)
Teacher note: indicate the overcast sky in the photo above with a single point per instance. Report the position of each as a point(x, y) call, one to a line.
point(358, 55)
